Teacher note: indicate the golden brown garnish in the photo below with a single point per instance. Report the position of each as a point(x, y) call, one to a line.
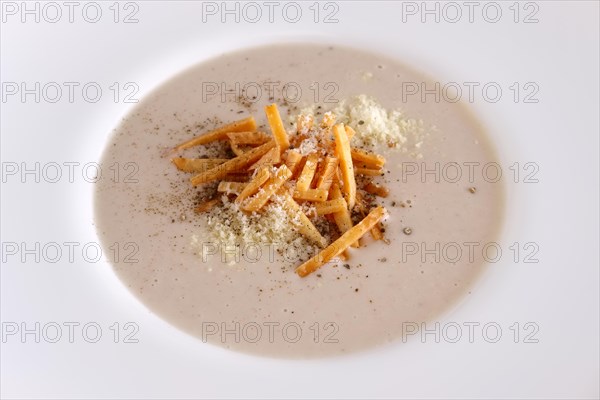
point(313, 180)
point(342, 243)
point(233, 165)
point(196, 164)
point(246, 124)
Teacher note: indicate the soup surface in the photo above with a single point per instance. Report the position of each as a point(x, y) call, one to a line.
point(444, 206)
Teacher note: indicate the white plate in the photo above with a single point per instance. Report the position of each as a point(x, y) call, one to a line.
point(558, 295)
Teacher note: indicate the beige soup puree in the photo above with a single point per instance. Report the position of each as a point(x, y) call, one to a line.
point(438, 223)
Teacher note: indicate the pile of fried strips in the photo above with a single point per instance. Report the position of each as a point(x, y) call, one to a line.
point(272, 165)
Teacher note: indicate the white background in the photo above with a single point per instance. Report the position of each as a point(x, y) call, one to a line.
point(560, 213)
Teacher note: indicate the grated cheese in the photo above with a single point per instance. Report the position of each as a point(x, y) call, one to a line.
point(309, 145)
point(375, 125)
point(229, 227)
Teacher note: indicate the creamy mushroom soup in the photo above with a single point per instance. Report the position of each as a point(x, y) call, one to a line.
point(444, 207)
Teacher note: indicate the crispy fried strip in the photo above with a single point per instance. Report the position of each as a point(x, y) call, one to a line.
point(261, 177)
point(233, 165)
point(376, 232)
point(271, 157)
point(350, 132)
point(293, 160)
point(330, 206)
point(231, 187)
point(368, 171)
point(250, 138)
point(277, 128)
point(246, 124)
point(342, 242)
point(367, 160)
point(342, 219)
point(326, 176)
point(207, 205)
point(342, 148)
point(377, 190)
point(196, 164)
point(308, 172)
point(237, 149)
point(276, 180)
point(316, 195)
point(319, 169)
point(305, 226)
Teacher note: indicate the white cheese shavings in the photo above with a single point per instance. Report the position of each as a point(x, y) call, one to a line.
point(229, 226)
point(375, 125)
point(308, 145)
